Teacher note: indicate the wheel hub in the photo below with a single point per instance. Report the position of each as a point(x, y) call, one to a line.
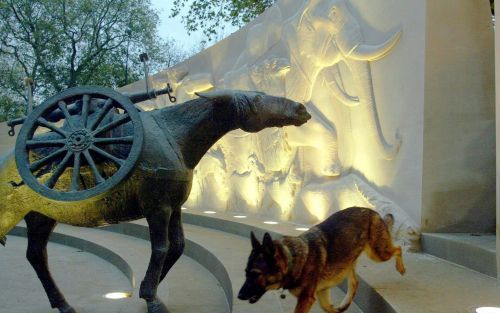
point(79, 140)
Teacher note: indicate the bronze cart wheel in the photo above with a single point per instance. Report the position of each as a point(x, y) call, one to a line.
point(77, 141)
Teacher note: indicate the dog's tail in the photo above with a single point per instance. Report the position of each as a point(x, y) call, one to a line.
point(389, 221)
point(3, 240)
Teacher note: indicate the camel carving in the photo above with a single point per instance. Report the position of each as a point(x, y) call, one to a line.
point(175, 139)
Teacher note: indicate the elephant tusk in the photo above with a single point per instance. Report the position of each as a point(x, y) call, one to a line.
point(374, 52)
point(341, 95)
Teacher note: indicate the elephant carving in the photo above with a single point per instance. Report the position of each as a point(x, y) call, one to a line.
point(323, 34)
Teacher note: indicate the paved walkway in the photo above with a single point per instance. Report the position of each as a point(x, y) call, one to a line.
point(431, 285)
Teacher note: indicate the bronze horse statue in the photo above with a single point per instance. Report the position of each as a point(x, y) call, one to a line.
point(175, 140)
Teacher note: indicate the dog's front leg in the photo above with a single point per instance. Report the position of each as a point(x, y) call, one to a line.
point(305, 301)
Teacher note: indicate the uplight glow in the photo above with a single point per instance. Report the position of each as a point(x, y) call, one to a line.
point(240, 216)
point(302, 228)
point(117, 295)
point(184, 208)
point(209, 212)
point(270, 222)
point(488, 309)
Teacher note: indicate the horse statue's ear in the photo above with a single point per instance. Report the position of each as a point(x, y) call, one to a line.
point(219, 95)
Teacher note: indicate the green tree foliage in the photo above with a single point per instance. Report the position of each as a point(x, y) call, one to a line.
point(66, 43)
point(208, 15)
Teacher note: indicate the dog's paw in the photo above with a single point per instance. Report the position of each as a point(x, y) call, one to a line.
point(401, 268)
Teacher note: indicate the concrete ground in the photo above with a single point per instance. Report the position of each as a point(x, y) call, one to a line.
point(210, 274)
point(430, 285)
point(85, 278)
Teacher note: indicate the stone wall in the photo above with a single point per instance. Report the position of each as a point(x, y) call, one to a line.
point(401, 94)
point(459, 119)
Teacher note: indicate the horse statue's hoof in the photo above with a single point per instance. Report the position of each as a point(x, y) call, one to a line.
point(66, 309)
point(156, 306)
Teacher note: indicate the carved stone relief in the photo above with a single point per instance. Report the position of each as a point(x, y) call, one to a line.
point(291, 173)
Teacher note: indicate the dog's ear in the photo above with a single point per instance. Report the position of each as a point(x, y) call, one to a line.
point(254, 240)
point(268, 244)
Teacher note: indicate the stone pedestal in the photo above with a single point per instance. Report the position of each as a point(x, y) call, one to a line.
point(459, 118)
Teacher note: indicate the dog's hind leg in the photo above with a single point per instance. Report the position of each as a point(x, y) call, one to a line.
point(380, 247)
point(39, 229)
point(400, 266)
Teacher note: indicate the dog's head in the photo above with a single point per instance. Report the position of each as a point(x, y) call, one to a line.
point(265, 269)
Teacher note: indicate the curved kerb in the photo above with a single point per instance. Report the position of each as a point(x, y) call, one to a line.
point(193, 250)
point(87, 246)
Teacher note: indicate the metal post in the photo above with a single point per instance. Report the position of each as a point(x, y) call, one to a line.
point(129, 33)
point(28, 85)
point(145, 60)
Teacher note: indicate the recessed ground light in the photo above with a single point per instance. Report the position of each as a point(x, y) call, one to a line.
point(117, 295)
point(184, 208)
point(209, 212)
point(271, 222)
point(488, 309)
point(302, 228)
point(240, 216)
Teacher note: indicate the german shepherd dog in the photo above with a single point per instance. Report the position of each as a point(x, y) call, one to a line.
point(319, 259)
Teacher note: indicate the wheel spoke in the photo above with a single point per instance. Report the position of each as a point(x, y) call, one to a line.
point(44, 143)
point(120, 121)
point(43, 122)
point(105, 109)
point(98, 178)
point(64, 110)
point(38, 164)
point(85, 110)
point(105, 154)
point(51, 182)
point(76, 172)
point(117, 140)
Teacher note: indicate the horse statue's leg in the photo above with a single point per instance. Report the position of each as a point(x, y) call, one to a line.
point(175, 240)
point(158, 221)
point(39, 229)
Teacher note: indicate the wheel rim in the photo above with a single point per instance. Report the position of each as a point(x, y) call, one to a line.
point(78, 143)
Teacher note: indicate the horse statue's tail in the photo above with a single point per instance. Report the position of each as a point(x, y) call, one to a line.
point(3, 240)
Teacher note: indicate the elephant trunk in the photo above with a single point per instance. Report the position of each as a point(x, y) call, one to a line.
point(362, 77)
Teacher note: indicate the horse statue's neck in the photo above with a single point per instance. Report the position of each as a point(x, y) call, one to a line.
point(196, 125)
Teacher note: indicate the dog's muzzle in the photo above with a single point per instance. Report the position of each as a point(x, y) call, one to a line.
point(250, 293)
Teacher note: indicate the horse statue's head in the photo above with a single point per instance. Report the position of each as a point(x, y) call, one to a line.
point(255, 110)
